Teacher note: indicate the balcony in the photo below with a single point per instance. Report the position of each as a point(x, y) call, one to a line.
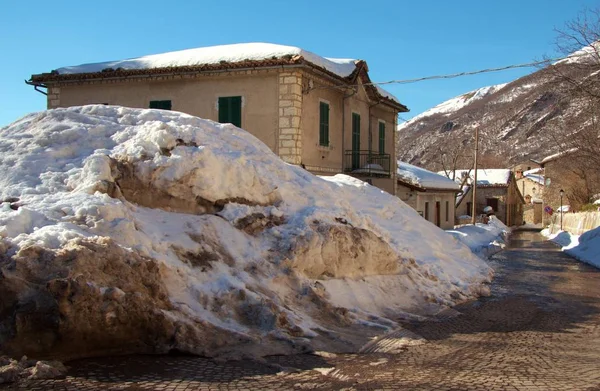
point(367, 163)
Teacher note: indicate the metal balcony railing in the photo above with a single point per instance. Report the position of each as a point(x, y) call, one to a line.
point(367, 163)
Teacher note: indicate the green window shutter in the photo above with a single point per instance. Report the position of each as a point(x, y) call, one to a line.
point(381, 137)
point(160, 104)
point(324, 124)
point(355, 132)
point(230, 110)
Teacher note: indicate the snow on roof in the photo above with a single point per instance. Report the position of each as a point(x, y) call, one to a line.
point(455, 104)
point(533, 171)
point(216, 54)
point(557, 155)
point(535, 177)
point(424, 178)
point(255, 51)
point(493, 176)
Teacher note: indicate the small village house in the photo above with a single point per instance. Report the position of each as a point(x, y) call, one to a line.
point(430, 194)
point(321, 113)
point(496, 188)
point(531, 184)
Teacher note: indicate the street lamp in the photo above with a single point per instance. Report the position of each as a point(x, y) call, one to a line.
point(562, 193)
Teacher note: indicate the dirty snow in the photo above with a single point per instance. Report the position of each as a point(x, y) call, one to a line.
point(196, 187)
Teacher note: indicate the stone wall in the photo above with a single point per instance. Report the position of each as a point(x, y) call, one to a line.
point(53, 97)
point(290, 113)
point(575, 223)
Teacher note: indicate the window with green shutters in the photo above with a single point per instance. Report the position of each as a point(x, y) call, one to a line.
point(324, 124)
point(230, 110)
point(381, 137)
point(160, 104)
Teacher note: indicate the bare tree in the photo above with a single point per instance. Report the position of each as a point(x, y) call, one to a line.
point(577, 78)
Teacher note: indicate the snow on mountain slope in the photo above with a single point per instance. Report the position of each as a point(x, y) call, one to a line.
point(516, 121)
point(452, 105)
point(145, 231)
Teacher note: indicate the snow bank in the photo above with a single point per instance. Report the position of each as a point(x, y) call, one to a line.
point(133, 230)
point(585, 247)
point(483, 239)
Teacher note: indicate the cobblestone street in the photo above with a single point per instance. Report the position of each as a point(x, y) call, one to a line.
point(539, 330)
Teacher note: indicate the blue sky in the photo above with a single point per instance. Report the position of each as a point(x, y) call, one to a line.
point(399, 39)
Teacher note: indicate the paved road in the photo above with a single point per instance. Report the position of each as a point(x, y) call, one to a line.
point(540, 330)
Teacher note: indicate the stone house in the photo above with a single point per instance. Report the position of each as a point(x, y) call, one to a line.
point(531, 184)
point(320, 113)
point(496, 188)
point(430, 194)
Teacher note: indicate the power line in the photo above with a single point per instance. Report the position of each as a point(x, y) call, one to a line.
point(467, 73)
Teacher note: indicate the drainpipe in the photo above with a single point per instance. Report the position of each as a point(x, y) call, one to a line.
point(36, 86)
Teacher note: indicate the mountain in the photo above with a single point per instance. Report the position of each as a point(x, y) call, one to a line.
point(517, 121)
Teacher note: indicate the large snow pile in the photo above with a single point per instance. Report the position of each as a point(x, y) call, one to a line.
point(129, 230)
point(585, 247)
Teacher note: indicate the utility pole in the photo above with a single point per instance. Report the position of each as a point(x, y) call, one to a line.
point(474, 185)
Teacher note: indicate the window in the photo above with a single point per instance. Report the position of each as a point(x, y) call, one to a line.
point(323, 124)
point(493, 202)
point(230, 110)
point(160, 104)
point(381, 137)
point(427, 211)
point(447, 211)
point(355, 141)
point(469, 208)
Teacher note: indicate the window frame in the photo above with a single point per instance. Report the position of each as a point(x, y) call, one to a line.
point(381, 140)
point(230, 118)
point(324, 128)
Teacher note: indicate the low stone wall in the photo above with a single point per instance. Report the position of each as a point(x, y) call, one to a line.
point(575, 223)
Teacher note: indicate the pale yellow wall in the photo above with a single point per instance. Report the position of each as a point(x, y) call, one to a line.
point(197, 97)
point(442, 198)
point(325, 159)
point(317, 158)
point(526, 186)
point(417, 199)
point(407, 195)
point(262, 110)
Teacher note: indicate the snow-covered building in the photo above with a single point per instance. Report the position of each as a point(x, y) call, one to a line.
point(432, 195)
point(321, 113)
point(496, 188)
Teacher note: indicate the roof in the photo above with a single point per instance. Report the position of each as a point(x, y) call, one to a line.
point(215, 58)
point(425, 179)
point(535, 175)
point(554, 157)
point(490, 177)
